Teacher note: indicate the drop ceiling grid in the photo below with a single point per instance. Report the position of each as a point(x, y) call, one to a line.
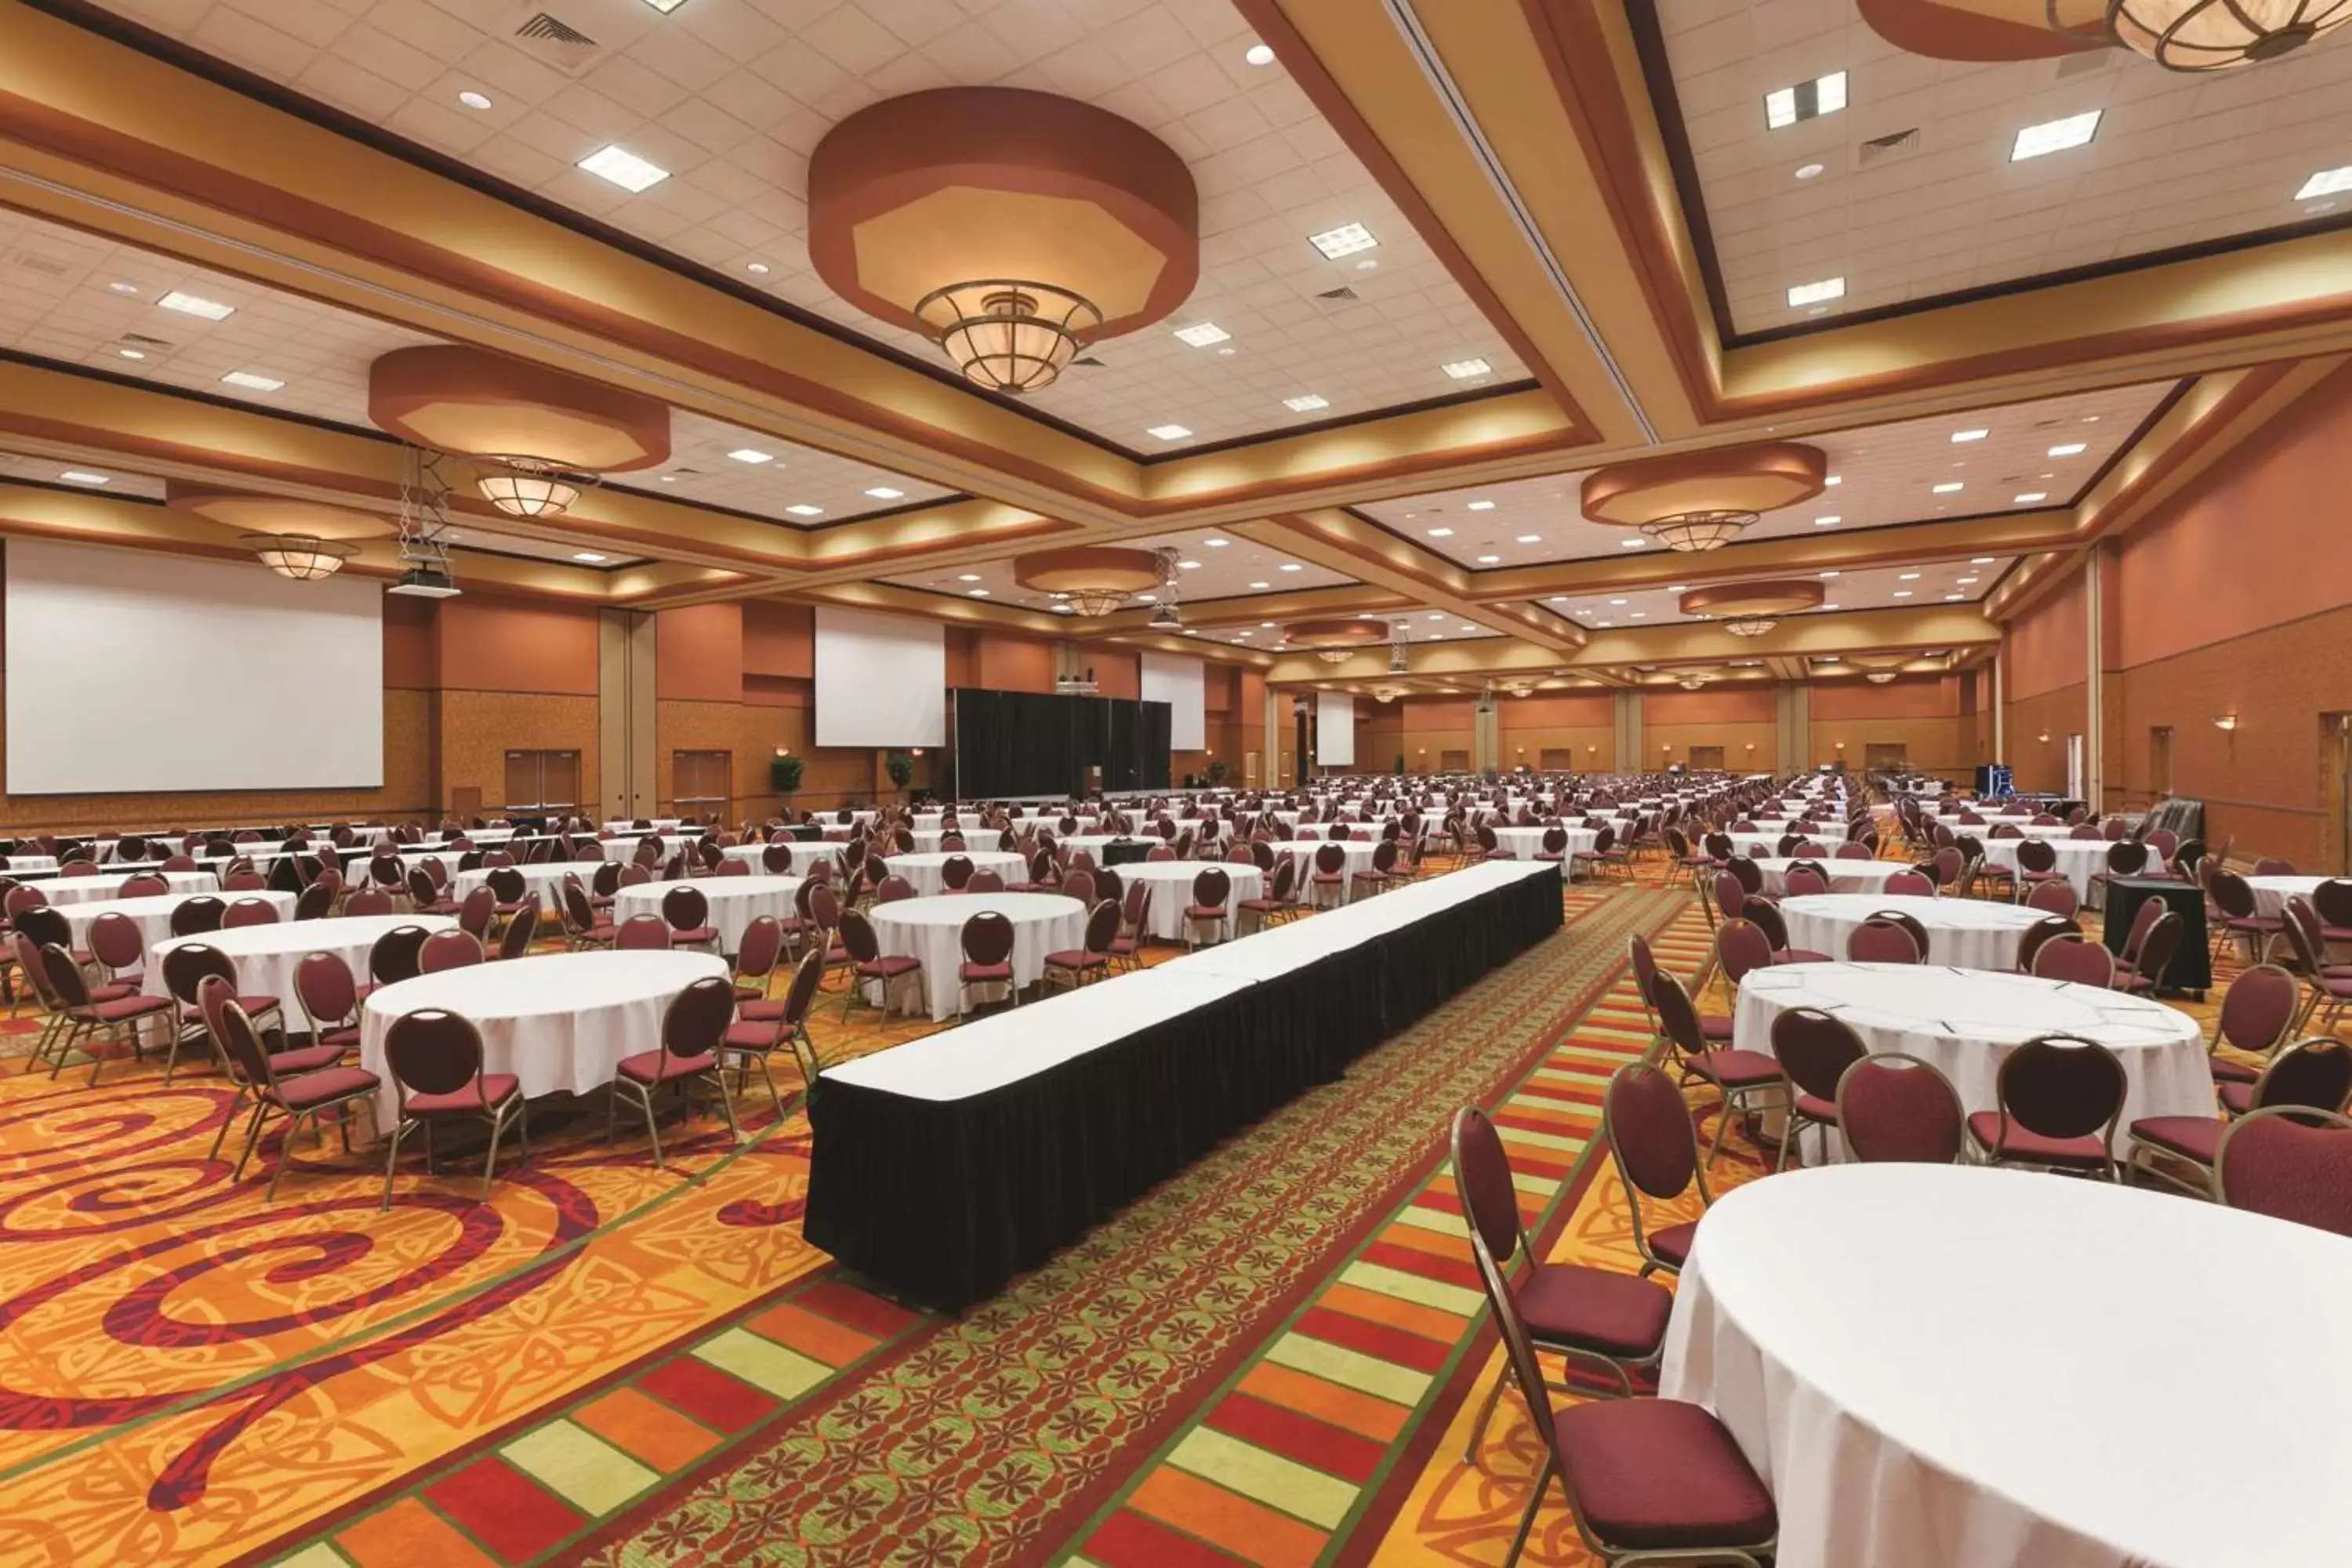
point(1875, 588)
point(1886, 474)
point(46, 471)
point(1230, 570)
point(797, 475)
point(2175, 161)
point(732, 98)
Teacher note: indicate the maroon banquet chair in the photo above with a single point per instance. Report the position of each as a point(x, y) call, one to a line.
point(1892, 1107)
point(198, 915)
point(447, 949)
point(366, 901)
point(1212, 891)
point(520, 932)
point(2057, 897)
point(2144, 969)
point(435, 1060)
point(185, 968)
point(1616, 1321)
point(869, 962)
point(330, 998)
point(394, 957)
point(1879, 939)
point(2313, 1074)
point(1092, 958)
point(2257, 1013)
point(1644, 965)
point(642, 934)
point(81, 1017)
point(249, 912)
point(2060, 1098)
point(956, 872)
point(687, 911)
point(1764, 914)
point(118, 951)
point(694, 1026)
point(986, 940)
point(1813, 1049)
point(2076, 960)
point(296, 1097)
point(1655, 1150)
point(1740, 1077)
point(2289, 1164)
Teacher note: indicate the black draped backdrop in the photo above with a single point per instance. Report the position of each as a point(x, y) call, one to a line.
point(1033, 744)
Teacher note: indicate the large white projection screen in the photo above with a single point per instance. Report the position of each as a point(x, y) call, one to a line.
point(130, 672)
point(881, 680)
point(1177, 682)
point(1335, 728)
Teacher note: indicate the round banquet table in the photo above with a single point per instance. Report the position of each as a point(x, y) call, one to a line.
point(1845, 876)
point(542, 876)
point(560, 1022)
point(1171, 882)
point(735, 901)
point(2271, 893)
point(755, 855)
point(153, 916)
point(1526, 843)
point(2016, 1388)
point(1358, 853)
point(1966, 1022)
point(22, 865)
point(1967, 933)
point(266, 956)
point(660, 825)
point(2079, 860)
point(929, 928)
point(923, 870)
point(64, 890)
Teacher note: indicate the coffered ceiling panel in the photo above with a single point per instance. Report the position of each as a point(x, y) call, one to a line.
point(1880, 588)
point(1880, 476)
point(1212, 566)
point(1913, 192)
point(99, 478)
point(729, 98)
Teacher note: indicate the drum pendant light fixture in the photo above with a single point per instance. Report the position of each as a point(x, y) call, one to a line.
point(304, 557)
point(2199, 35)
point(1751, 609)
point(1703, 500)
point(1335, 642)
point(1094, 579)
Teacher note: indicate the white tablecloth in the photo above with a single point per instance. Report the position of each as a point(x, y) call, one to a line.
point(1845, 876)
point(1171, 882)
point(266, 956)
point(735, 901)
point(929, 928)
point(1968, 933)
point(1526, 843)
point(2078, 858)
point(542, 877)
point(22, 865)
point(561, 1021)
point(1271, 953)
point(1967, 1021)
point(153, 916)
point(64, 890)
point(2271, 893)
point(923, 870)
point(624, 829)
point(1359, 857)
point(1940, 1366)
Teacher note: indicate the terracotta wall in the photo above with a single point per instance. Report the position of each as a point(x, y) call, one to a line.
point(2046, 653)
point(1743, 721)
point(1573, 730)
point(1931, 718)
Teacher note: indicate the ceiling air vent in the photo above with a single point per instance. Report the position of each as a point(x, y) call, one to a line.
point(1341, 292)
point(557, 43)
point(144, 341)
point(2084, 64)
point(1892, 145)
point(1088, 361)
point(46, 266)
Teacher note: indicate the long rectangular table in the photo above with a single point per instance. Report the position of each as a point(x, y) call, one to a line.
point(943, 1167)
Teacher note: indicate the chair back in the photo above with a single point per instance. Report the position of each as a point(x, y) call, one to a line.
point(2157, 948)
point(2290, 1163)
point(1102, 927)
point(1677, 1016)
point(1893, 1106)
point(314, 902)
point(2272, 866)
point(193, 917)
point(1213, 886)
point(2127, 857)
point(1881, 939)
point(238, 1042)
point(1804, 878)
point(2076, 960)
point(116, 942)
point(642, 934)
point(146, 885)
point(1079, 883)
point(685, 908)
point(2062, 1085)
point(1650, 1131)
point(2257, 1010)
point(323, 984)
point(1814, 1048)
point(396, 955)
point(1482, 1179)
point(762, 945)
point(187, 966)
point(2315, 1073)
point(801, 995)
point(986, 937)
point(435, 1051)
point(447, 949)
point(520, 932)
point(2058, 897)
point(2229, 893)
point(697, 1017)
point(1741, 947)
point(1764, 914)
point(249, 912)
point(955, 872)
point(1911, 884)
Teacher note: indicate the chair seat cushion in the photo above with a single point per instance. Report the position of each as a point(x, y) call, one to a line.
point(1801, 955)
point(1814, 1108)
point(890, 967)
point(1984, 1126)
point(2239, 1097)
point(324, 1086)
point(969, 972)
point(1122, 947)
point(761, 1037)
point(1595, 1308)
point(1076, 958)
point(2196, 1138)
point(495, 1087)
point(751, 993)
point(1661, 1474)
point(653, 1067)
point(115, 990)
point(762, 1012)
point(1714, 1026)
point(693, 936)
point(311, 1058)
point(1674, 1242)
point(1205, 911)
point(1737, 1068)
point(2228, 1071)
point(125, 1008)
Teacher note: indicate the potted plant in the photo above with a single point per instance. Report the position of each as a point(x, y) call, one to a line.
point(1216, 772)
point(784, 774)
point(1400, 762)
point(900, 767)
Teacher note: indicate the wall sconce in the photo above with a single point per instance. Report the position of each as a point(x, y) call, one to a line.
point(1751, 745)
point(1841, 745)
point(2044, 737)
point(916, 752)
point(2226, 721)
point(1591, 748)
point(784, 751)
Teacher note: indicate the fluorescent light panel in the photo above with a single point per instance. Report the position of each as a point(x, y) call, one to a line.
point(1468, 369)
point(252, 383)
point(1814, 293)
point(1786, 106)
point(1200, 334)
point(1345, 240)
point(2327, 183)
point(197, 305)
point(1305, 403)
point(624, 168)
point(1167, 432)
point(2053, 136)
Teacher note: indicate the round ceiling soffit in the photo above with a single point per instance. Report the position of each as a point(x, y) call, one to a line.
point(453, 398)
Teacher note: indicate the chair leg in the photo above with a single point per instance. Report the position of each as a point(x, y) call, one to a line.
point(490, 1161)
point(1486, 1413)
point(1528, 1519)
point(391, 1158)
point(726, 1107)
point(285, 1156)
point(645, 1099)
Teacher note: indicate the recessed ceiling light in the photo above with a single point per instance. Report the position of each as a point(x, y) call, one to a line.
point(1677, 588)
point(1305, 403)
point(1808, 171)
point(1189, 565)
point(1786, 106)
point(1830, 522)
point(1441, 533)
point(77, 477)
point(884, 492)
point(1167, 432)
point(591, 558)
point(1437, 615)
point(1910, 577)
point(1814, 293)
point(1947, 487)
point(1468, 369)
point(1954, 599)
point(2055, 136)
point(197, 305)
point(752, 454)
point(757, 269)
point(252, 383)
point(665, 6)
point(1267, 624)
point(1902, 593)
point(2327, 183)
point(1616, 601)
point(1369, 264)
point(473, 100)
point(1261, 584)
point(1259, 54)
point(1829, 607)
point(967, 577)
point(1980, 561)
point(1345, 240)
point(1828, 574)
point(1488, 560)
point(1292, 566)
point(1964, 581)
point(130, 354)
point(1639, 615)
point(1215, 543)
point(1961, 436)
point(119, 287)
point(1834, 479)
point(1530, 538)
point(2028, 497)
point(1632, 543)
point(980, 593)
point(624, 168)
point(1601, 623)
point(1559, 598)
point(804, 509)
point(2067, 449)
point(1482, 506)
point(668, 478)
point(1203, 334)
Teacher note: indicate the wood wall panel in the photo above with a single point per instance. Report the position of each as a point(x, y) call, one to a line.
point(2038, 764)
point(477, 728)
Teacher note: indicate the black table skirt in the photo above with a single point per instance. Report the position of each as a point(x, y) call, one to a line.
point(2191, 969)
point(942, 1202)
point(1126, 852)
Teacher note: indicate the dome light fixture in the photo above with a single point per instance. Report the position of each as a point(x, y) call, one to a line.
point(1336, 641)
point(304, 557)
point(1749, 626)
point(1007, 335)
point(1880, 677)
point(1095, 579)
point(531, 486)
point(1690, 531)
point(2195, 37)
